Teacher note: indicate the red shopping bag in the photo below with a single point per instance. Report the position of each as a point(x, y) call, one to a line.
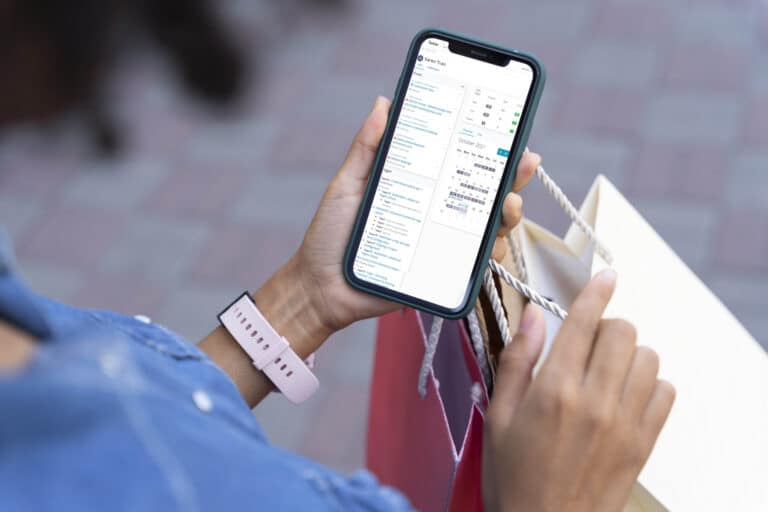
point(430, 448)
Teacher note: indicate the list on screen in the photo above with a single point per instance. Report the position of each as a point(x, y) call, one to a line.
point(441, 174)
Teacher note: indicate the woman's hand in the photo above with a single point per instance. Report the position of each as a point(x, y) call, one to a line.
point(319, 259)
point(307, 299)
point(577, 435)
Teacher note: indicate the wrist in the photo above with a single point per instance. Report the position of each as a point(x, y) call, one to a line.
point(290, 308)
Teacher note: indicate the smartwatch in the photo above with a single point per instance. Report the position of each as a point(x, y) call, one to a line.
point(270, 352)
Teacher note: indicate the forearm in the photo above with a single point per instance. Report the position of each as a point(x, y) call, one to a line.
point(287, 305)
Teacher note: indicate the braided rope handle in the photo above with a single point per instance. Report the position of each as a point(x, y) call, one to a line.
point(517, 257)
point(556, 192)
point(526, 291)
point(498, 308)
point(429, 353)
point(477, 343)
point(520, 285)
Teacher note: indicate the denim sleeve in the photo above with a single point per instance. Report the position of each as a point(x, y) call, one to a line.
point(360, 491)
point(114, 413)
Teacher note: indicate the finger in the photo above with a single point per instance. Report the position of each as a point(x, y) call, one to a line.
point(362, 152)
point(512, 212)
point(610, 360)
point(525, 169)
point(516, 363)
point(573, 343)
point(641, 382)
point(657, 410)
point(499, 249)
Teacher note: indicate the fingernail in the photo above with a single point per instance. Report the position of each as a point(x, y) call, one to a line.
point(607, 276)
point(378, 102)
point(528, 319)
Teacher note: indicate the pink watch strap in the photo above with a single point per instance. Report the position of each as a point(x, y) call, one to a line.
point(269, 351)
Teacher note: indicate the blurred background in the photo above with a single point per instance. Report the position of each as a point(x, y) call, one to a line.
point(158, 158)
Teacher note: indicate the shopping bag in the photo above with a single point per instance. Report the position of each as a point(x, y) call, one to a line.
point(712, 454)
point(430, 448)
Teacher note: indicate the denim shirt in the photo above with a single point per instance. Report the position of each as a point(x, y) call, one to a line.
point(112, 413)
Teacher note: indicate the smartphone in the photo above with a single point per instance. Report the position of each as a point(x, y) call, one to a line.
point(457, 127)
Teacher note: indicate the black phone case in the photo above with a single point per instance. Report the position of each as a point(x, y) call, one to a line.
point(520, 142)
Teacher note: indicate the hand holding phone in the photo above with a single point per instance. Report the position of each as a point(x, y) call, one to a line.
point(457, 128)
point(319, 260)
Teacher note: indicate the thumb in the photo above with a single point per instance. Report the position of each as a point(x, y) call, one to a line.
point(517, 361)
point(362, 152)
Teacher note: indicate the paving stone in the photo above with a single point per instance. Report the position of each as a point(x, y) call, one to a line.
point(378, 55)
point(756, 124)
point(692, 117)
point(742, 241)
point(71, 237)
point(575, 160)
point(629, 21)
point(191, 310)
point(23, 174)
point(546, 114)
point(344, 99)
point(602, 110)
point(118, 186)
point(549, 19)
point(199, 190)
point(293, 54)
point(747, 181)
point(697, 66)
point(556, 56)
point(744, 294)
point(399, 17)
point(51, 279)
point(300, 147)
point(336, 427)
point(483, 22)
point(244, 256)
point(670, 172)
point(156, 249)
point(225, 143)
point(285, 199)
point(17, 212)
point(723, 23)
point(130, 295)
point(351, 353)
point(687, 227)
point(614, 63)
point(288, 426)
point(175, 124)
point(758, 82)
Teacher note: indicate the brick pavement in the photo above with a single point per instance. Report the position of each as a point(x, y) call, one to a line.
point(668, 98)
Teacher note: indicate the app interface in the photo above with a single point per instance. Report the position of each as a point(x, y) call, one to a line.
point(441, 174)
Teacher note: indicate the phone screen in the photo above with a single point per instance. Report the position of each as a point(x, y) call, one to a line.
point(441, 174)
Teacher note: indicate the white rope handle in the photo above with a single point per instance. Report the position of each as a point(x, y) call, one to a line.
point(498, 308)
point(518, 284)
point(476, 336)
point(526, 291)
point(429, 353)
point(557, 193)
point(517, 257)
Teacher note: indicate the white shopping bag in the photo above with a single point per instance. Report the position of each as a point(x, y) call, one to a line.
point(713, 452)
